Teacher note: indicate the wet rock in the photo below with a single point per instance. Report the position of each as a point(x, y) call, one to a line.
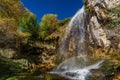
point(96, 75)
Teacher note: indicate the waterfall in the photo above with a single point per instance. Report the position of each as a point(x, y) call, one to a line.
point(74, 67)
point(77, 73)
point(74, 38)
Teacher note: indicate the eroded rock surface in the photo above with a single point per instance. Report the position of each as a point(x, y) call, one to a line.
point(97, 16)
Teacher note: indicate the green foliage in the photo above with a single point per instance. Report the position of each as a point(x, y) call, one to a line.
point(29, 23)
point(48, 25)
point(116, 10)
point(12, 78)
point(11, 12)
point(8, 67)
point(64, 22)
point(115, 21)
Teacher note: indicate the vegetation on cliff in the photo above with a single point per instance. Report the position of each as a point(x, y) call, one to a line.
point(115, 17)
point(27, 46)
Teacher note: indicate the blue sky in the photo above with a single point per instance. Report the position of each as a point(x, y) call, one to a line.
point(63, 8)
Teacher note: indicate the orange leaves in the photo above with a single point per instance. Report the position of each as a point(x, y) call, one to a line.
point(117, 77)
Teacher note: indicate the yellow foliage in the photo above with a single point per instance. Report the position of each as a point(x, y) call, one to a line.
point(23, 35)
point(117, 77)
point(8, 25)
point(112, 55)
point(112, 60)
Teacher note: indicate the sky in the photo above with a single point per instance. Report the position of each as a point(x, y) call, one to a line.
point(63, 8)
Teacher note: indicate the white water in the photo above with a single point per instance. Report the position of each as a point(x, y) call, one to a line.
point(76, 32)
point(75, 67)
point(76, 73)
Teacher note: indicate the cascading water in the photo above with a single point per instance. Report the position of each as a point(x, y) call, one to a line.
point(75, 73)
point(75, 32)
point(74, 42)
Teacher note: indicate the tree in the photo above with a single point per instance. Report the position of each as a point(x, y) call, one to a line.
point(11, 9)
point(64, 22)
point(29, 24)
point(8, 31)
point(48, 25)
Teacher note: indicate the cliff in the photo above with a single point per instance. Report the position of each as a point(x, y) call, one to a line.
point(98, 16)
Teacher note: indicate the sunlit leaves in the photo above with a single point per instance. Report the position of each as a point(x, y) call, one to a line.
point(48, 25)
point(29, 24)
point(11, 9)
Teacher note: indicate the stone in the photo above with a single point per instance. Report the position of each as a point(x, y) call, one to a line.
point(112, 3)
point(106, 3)
point(97, 17)
point(98, 35)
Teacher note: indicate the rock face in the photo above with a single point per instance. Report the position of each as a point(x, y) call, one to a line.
point(87, 26)
point(97, 16)
point(114, 36)
point(96, 33)
point(112, 3)
point(106, 3)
